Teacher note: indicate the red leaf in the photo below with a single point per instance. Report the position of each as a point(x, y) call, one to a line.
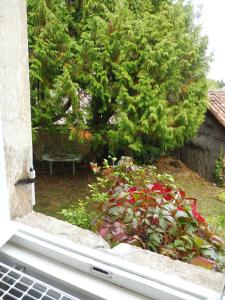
point(103, 231)
point(196, 214)
point(133, 189)
point(120, 237)
point(180, 208)
point(168, 197)
point(182, 193)
point(200, 218)
point(157, 187)
point(216, 240)
point(203, 262)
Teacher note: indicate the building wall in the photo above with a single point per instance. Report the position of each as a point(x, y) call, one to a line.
point(201, 153)
point(15, 102)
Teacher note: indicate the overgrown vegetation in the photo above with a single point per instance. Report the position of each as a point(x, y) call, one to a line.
point(141, 207)
point(131, 72)
point(222, 221)
point(219, 169)
point(221, 197)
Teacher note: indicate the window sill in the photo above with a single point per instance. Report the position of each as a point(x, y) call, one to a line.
point(46, 252)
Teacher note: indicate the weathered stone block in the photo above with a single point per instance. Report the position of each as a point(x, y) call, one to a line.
point(15, 102)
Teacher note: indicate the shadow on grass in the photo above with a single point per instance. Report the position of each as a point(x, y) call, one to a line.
point(61, 190)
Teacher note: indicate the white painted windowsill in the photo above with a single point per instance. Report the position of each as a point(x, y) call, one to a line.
point(75, 265)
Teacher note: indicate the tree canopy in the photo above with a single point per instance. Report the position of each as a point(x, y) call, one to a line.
point(142, 64)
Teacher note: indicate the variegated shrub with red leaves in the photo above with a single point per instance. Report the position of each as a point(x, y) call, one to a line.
point(147, 210)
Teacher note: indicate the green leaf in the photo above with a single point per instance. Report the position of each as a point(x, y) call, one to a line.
point(128, 218)
point(209, 253)
point(191, 227)
point(170, 219)
point(181, 249)
point(130, 211)
point(199, 242)
point(137, 213)
point(178, 243)
point(163, 223)
point(114, 211)
point(181, 214)
point(146, 221)
point(155, 237)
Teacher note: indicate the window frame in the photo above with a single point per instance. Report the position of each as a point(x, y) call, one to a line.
point(76, 258)
point(4, 195)
point(134, 278)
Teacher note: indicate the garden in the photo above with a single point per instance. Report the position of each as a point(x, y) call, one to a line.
point(128, 78)
point(128, 203)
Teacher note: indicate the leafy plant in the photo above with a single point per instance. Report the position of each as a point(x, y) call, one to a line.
point(136, 205)
point(78, 215)
point(219, 168)
point(86, 211)
point(156, 216)
point(221, 220)
point(221, 197)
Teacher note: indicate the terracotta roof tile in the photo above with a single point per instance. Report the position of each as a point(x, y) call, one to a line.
point(217, 105)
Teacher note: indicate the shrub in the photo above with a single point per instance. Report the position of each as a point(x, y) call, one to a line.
point(221, 197)
point(78, 215)
point(221, 220)
point(147, 210)
point(219, 168)
point(136, 205)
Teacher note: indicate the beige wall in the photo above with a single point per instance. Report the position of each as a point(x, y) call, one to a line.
point(15, 102)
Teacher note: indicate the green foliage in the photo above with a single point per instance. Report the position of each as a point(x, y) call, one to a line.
point(143, 208)
point(147, 210)
point(88, 210)
point(219, 168)
point(78, 215)
point(221, 220)
point(142, 63)
point(97, 191)
point(52, 56)
point(221, 197)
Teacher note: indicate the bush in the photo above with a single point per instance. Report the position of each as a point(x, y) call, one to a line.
point(221, 197)
point(78, 215)
point(219, 168)
point(221, 220)
point(136, 205)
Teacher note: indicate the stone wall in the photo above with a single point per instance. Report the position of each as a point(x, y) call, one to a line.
point(15, 102)
point(201, 153)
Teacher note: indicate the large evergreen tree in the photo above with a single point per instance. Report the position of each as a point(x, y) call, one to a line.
point(143, 63)
point(52, 57)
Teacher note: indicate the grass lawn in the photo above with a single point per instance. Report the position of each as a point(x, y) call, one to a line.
point(62, 189)
point(195, 186)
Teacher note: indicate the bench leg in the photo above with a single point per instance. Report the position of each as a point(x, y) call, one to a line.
point(73, 168)
point(51, 164)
